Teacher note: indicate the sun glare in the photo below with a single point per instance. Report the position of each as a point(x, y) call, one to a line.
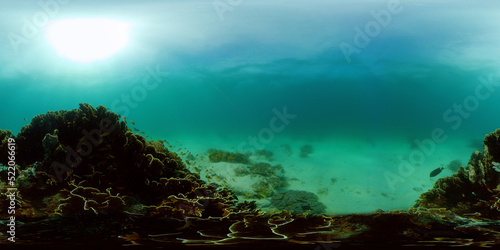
point(87, 40)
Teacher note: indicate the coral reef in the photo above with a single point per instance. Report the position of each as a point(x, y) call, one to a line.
point(306, 150)
point(215, 155)
point(298, 201)
point(473, 189)
point(85, 161)
point(85, 179)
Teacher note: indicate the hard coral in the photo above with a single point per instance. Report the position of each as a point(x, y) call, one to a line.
point(298, 201)
point(88, 199)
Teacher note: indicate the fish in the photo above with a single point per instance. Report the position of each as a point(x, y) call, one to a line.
point(133, 123)
point(436, 171)
point(25, 119)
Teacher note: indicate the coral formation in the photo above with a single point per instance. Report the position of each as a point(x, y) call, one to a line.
point(473, 189)
point(85, 161)
point(215, 155)
point(265, 169)
point(306, 150)
point(298, 201)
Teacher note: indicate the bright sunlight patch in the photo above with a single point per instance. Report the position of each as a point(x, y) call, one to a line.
point(87, 40)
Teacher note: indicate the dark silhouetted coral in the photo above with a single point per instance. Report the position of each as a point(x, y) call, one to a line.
point(86, 161)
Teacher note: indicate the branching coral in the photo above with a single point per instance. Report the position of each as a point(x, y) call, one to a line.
point(88, 199)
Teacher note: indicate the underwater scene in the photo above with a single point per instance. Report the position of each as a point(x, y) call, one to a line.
point(249, 124)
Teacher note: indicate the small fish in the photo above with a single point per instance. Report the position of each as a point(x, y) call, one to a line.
point(133, 123)
point(25, 119)
point(436, 171)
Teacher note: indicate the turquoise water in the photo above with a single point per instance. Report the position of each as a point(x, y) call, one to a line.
point(216, 78)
